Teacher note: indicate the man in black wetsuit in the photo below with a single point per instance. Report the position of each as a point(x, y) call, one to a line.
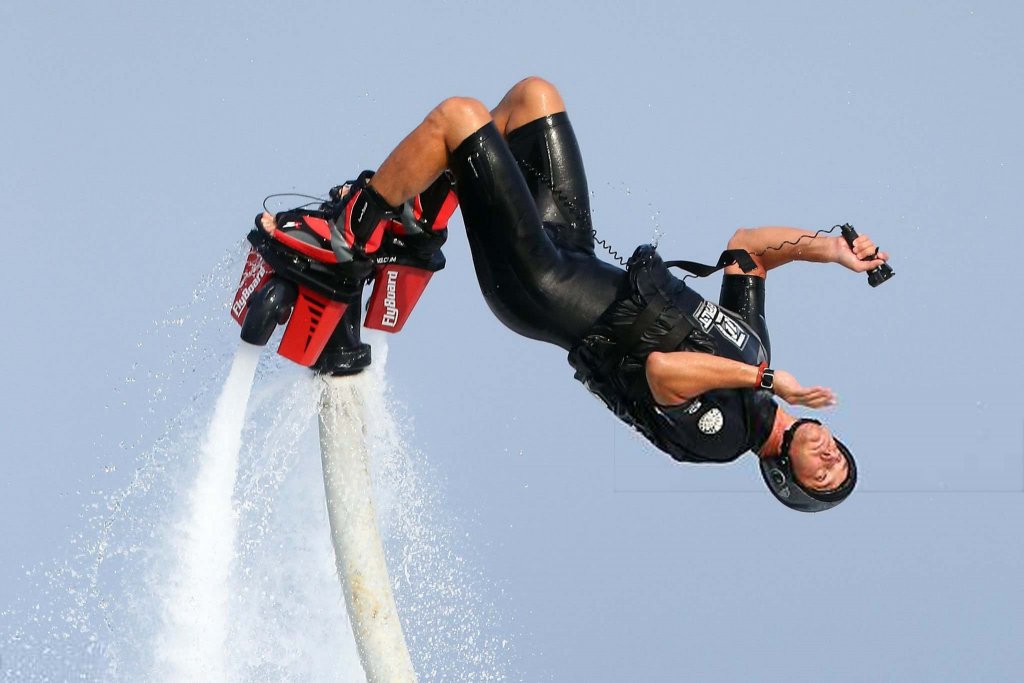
point(692, 376)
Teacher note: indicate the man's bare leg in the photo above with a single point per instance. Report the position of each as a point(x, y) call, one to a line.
point(423, 155)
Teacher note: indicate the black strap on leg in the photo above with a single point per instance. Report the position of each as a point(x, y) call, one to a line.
point(729, 257)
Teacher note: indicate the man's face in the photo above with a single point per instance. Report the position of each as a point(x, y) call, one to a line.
point(818, 464)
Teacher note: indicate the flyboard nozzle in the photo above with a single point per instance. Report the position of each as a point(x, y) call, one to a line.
point(290, 282)
point(876, 276)
point(269, 306)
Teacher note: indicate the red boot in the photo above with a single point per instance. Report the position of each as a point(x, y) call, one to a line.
point(358, 219)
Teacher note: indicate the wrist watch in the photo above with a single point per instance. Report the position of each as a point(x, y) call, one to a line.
point(765, 378)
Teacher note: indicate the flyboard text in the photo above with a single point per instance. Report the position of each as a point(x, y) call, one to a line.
point(255, 274)
point(390, 317)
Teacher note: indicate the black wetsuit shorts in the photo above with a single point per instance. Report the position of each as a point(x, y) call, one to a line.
point(526, 207)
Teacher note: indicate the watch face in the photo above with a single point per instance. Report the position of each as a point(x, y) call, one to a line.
point(768, 379)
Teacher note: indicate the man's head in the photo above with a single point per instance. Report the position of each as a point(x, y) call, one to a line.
point(817, 461)
point(814, 471)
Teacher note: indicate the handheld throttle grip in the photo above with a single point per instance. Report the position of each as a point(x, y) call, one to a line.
point(877, 275)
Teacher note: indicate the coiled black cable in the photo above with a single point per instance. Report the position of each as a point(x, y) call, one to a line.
point(571, 208)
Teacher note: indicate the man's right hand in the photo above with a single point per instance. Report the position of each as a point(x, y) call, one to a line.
point(789, 390)
point(863, 248)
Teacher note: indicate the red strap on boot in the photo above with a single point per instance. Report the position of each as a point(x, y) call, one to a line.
point(364, 216)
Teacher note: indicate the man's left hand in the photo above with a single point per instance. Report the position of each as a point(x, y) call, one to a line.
point(790, 390)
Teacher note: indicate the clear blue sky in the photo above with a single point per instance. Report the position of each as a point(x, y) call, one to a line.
point(138, 140)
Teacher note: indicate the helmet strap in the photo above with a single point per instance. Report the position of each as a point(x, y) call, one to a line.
point(787, 436)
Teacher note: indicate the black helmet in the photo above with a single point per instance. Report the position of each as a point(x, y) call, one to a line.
point(778, 475)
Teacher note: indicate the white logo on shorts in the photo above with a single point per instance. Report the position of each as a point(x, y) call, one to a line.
point(708, 315)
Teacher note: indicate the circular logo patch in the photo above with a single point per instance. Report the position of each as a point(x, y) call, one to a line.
point(711, 422)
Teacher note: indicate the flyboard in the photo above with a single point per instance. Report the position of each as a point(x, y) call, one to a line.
point(292, 278)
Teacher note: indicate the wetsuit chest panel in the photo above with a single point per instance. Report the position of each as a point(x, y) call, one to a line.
point(711, 427)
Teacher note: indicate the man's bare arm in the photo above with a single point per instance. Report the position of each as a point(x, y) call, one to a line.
point(782, 245)
point(678, 376)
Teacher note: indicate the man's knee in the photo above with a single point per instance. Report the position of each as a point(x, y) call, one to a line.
point(460, 112)
point(535, 92)
point(527, 100)
point(458, 117)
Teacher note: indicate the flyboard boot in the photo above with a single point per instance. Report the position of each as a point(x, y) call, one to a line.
point(310, 272)
point(409, 255)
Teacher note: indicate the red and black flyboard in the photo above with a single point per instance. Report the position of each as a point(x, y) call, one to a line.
point(293, 278)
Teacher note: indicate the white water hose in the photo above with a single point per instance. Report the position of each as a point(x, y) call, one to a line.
point(358, 551)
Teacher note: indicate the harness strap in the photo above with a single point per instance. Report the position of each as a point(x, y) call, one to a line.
point(680, 331)
point(657, 305)
point(647, 317)
point(730, 256)
point(631, 336)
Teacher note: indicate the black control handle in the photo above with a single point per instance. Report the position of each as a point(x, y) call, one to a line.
point(877, 275)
